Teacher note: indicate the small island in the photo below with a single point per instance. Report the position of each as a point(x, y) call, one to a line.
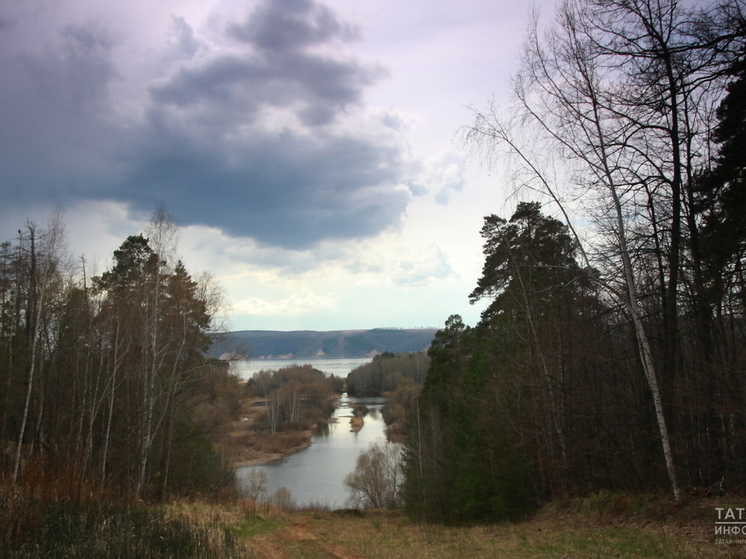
point(280, 411)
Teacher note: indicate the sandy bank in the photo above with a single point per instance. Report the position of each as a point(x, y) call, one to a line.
point(253, 457)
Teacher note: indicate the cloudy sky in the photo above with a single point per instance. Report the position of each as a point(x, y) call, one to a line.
point(308, 149)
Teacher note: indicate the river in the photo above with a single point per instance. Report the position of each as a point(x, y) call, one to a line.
point(316, 475)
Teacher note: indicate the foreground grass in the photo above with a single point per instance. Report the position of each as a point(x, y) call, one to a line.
point(393, 536)
point(31, 529)
point(600, 527)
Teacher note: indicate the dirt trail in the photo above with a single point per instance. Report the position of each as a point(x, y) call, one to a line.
point(266, 549)
point(339, 552)
point(283, 543)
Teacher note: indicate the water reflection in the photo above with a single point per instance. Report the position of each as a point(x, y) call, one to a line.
point(316, 475)
point(323, 430)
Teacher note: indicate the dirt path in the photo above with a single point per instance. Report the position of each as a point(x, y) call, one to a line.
point(339, 552)
point(296, 541)
point(266, 549)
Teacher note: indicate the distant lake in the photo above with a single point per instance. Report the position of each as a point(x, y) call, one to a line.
point(336, 367)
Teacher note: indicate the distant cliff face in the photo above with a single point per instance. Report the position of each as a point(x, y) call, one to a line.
point(307, 344)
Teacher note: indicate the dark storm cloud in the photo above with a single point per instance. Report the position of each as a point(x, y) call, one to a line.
point(275, 66)
point(263, 134)
point(184, 40)
point(291, 25)
point(53, 107)
point(284, 191)
point(5, 23)
point(70, 80)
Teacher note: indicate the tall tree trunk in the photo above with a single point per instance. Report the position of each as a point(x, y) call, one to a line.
point(34, 335)
point(644, 349)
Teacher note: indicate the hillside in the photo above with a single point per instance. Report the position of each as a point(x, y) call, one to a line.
point(302, 344)
point(602, 525)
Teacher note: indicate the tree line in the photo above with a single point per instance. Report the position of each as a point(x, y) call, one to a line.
point(296, 397)
point(385, 372)
point(107, 389)
point(611, 355)
point(398, 377)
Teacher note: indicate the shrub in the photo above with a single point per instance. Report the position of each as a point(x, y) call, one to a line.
point(375, 481)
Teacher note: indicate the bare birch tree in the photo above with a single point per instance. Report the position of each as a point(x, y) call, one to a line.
point(620, 90)
point(46, 256)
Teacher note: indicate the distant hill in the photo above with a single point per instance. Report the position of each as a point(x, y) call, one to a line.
point(304, 344)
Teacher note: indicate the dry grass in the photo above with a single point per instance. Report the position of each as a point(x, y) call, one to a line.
point(64, 529)
point(602, 526)
point(249, 448)
point(581, 529)
point(244, 445)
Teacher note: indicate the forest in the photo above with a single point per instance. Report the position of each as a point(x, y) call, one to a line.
point(611, 355)
point(297, 394)
point(398, 377)
point(386, 372)
point(107, 389)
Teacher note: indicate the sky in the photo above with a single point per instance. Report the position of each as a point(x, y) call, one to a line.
point(310, 151)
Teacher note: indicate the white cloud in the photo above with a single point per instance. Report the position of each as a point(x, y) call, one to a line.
point(297, 304)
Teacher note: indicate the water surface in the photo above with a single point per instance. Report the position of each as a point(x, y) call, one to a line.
point(316, 475)
point(336, 367)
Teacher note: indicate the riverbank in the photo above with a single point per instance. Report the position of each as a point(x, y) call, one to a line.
point(244, 446)
point(282, 443)
point(315, 476)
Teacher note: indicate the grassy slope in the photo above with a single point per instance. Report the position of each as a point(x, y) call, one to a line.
point(599, 527)
point(602, 526)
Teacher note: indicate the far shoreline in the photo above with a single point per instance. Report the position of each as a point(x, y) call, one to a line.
point(337, 366)
point(265, 458)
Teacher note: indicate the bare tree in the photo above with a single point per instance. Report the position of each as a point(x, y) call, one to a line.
point(622, 91)
point(377, 476)
point(255, 484)
point(46, 259)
